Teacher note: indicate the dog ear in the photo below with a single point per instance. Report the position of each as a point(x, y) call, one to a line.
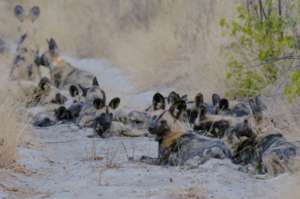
point(19, 13)
point(224, 104)
point(73, 90)
point(260, 103)
point(199, 99)
point(215, 99)
point(114, 103)
point(95, 82)
point(257, 107)
point(173, 97)
point(184, 97)
point(43, 83)
point(158, 99)
point(177, 109)
point(98, 103)
point(35, 13)
point(202, 112)
point(192, 115)
point(52, 45)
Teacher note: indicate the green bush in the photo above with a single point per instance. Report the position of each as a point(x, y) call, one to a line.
point(263, 45)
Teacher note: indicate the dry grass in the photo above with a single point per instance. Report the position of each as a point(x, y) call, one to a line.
point(11, 118)
point(188, 193)
point(157, 42)
point(12, 130)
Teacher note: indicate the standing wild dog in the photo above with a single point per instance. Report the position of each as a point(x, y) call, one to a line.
point(62, 73)
point(24, 65)
point(178, 147)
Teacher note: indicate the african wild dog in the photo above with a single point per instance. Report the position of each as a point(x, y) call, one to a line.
point(62, 73)
point(24, 65)
point(241, 109)
point(45, 93)
point(269, 154)
point(103, 124)
point(176, 145)
point(138, 120)
point(95, 99)
point(80, 107)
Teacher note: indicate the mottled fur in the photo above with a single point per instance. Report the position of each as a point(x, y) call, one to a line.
point(176, 146)
point(63, 74)
point(24, 66)
point(271, 154)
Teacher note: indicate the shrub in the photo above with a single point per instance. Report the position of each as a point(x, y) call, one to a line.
point(264, 45)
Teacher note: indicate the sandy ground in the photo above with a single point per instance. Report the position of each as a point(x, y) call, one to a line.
point(63, 163)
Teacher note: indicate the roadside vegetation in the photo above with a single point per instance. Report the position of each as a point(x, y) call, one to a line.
point(265, 44)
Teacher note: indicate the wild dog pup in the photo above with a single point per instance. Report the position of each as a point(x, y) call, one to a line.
point(63, 74)
point(178, 147)
point(270, 154)
point(24, 66)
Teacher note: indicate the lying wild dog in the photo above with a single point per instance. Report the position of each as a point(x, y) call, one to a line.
point(51, 115)
point(68, 103)
point(269, 154)
point(138, 120)
point(178, 147)
point(94, 99)
point(45, 93)
point(216, 126)
point(102, 119)
point(230, 125)
point(241, 109)
point(134, 120)
point(63, 74)
point(51, 103)
point(24, 65)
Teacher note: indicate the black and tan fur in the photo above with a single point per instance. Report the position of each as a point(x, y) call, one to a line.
point(63, 74)
point(176, 145)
